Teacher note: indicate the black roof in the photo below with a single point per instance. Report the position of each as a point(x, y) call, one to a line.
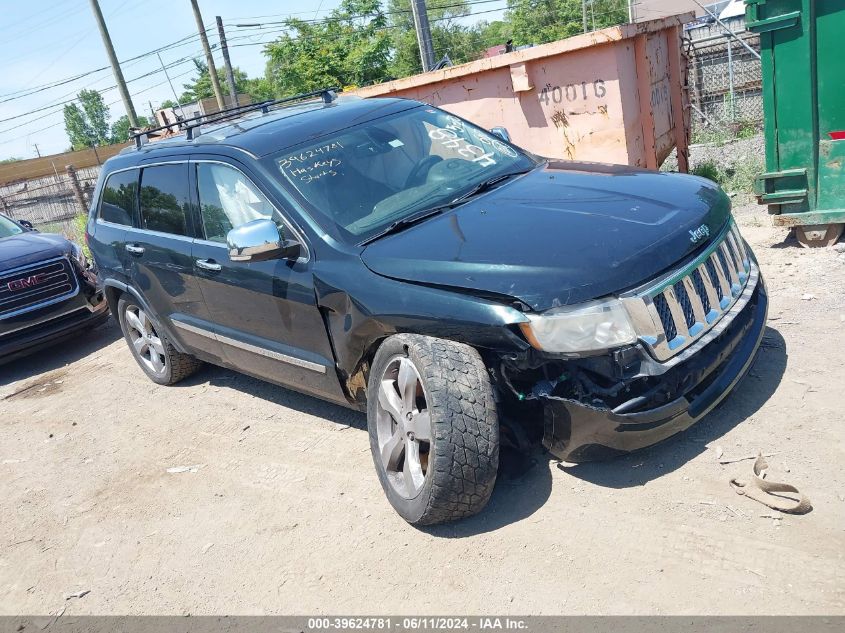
point(264, 133)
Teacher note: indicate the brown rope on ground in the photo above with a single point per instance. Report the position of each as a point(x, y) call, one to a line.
point(764, 491)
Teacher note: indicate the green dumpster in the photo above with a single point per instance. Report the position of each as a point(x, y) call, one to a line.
point(801, 44)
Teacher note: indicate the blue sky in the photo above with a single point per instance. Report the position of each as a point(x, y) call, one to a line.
point(45, 41)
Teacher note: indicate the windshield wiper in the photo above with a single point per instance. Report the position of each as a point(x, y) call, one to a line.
point(487, 184)
point(404, 223)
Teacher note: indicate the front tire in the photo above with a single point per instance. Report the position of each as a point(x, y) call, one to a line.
point(434, 429)
point(162, 363)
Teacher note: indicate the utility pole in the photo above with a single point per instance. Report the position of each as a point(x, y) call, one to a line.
point(423, 34)
point(175, 97)
point(115, 65)
point(209, 59)
point(584, 13)
point(230, 76)
point(37, 151)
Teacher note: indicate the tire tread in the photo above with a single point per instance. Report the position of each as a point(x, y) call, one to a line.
point(465, 422)
point(181, 365)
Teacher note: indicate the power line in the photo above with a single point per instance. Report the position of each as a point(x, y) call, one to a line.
point(108, 105)
point(33, 15)
point(83, 34)
point(185, 40)
point(276, 32)
point(59, 82)
point(56, 105)
point(282, 28)
point(91, 83)
point(53, 19)
point(274, 15)
point(342, 18)
point(408, 11)
point(11, 96)
point(178, 62)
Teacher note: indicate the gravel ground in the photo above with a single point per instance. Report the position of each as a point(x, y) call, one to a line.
point(275, 508)
point(728, 154)
point(745, 156)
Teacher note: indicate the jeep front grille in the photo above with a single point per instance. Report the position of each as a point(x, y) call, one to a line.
point(31, 287)
point(673, 312)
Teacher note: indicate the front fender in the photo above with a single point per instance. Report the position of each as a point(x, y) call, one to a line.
point(362, 308)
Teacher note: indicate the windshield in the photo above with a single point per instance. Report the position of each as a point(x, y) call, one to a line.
point(367, 177)
point(8, 228)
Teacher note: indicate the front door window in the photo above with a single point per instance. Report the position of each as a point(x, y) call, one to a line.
point(227, 200)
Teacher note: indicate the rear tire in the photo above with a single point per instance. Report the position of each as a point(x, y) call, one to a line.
point(819, 235)
point(162, 363)
point(434, 429)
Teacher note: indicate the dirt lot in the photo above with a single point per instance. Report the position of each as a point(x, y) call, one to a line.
point(282, 511)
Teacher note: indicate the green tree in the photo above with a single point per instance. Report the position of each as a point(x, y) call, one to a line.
point(77, 127)
point(449, 36)
point(120, 128)
point(541, 21)
point(87, 123)
point(97, 114)
point(202, 88)
point(494, 33)
point(260, 89)
point(350, 48)
point(12, 159)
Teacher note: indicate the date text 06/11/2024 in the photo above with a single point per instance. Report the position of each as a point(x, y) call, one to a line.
point(416, 623)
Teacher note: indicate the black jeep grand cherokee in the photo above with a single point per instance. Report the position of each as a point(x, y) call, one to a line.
point(47, 289)
point(389, 256)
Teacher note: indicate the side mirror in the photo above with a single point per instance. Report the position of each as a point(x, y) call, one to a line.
point(502, 133)
point(258, 241)
point(26, 224)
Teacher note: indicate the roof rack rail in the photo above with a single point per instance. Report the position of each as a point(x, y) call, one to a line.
point(189, 125)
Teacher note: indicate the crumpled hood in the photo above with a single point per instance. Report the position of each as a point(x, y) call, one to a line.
point(28, 248)
point(563, 234)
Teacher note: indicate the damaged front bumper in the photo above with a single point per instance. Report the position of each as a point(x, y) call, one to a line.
point(84, 308)
point(577, 430)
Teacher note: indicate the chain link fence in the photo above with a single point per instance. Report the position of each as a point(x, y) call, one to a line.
point(50, 201)
point(725, 79)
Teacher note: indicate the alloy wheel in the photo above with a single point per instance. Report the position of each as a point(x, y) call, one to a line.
point(145, 340)
point(403, 425)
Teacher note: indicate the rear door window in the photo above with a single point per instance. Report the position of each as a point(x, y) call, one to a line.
point(119, 201)
point(165, 199)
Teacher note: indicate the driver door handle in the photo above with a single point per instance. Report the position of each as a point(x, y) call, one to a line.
point(135, 250)
point(208, 264)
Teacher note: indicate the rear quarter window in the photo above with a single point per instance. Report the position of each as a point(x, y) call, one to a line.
point(165, 199)
point(119, 201)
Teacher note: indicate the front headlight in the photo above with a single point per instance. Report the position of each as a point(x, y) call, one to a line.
point(79, 256)
point(587, 327)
